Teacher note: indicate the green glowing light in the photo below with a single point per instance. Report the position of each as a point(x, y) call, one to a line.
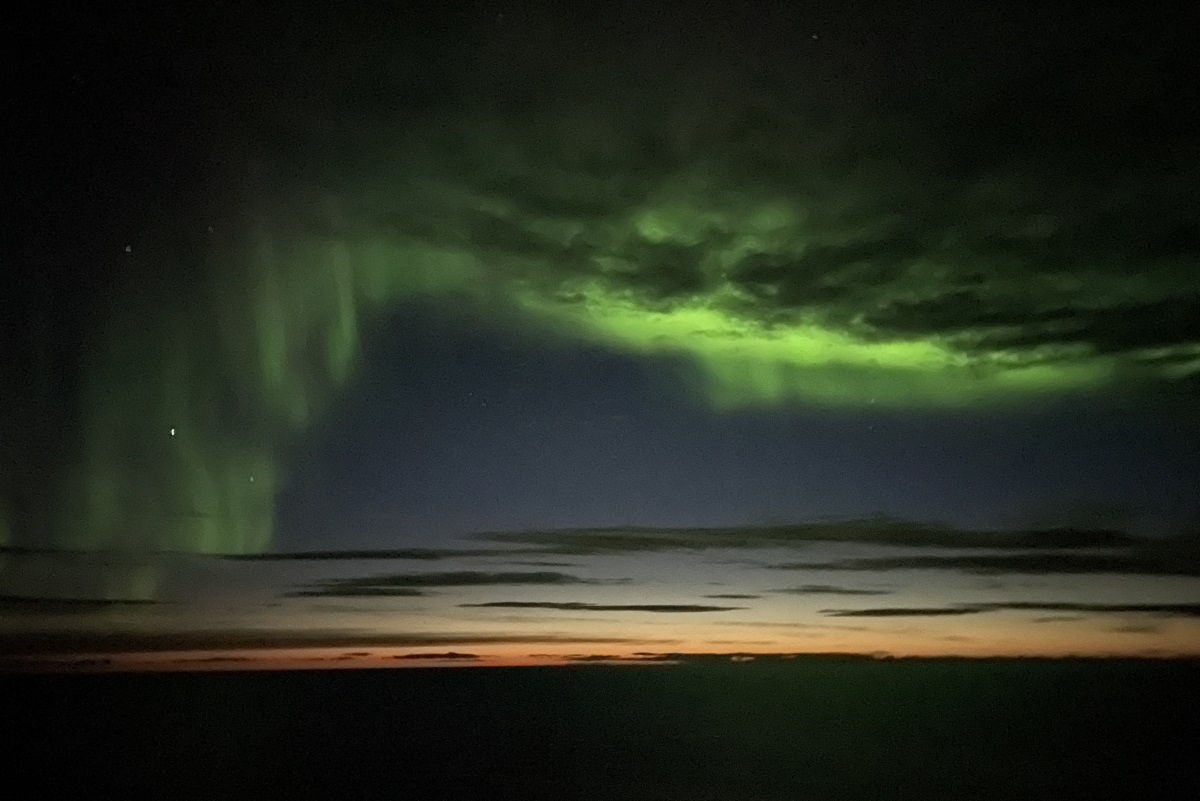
point(6, 537)
point(241, 367)
point(188, 409)
point(747, 363)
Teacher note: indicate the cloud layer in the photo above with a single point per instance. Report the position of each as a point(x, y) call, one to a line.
point(1155, 561)
point(49, 642)
point(1161, 610)
point(576, 606)
point(792, 225)
point(879, 530)
point(412, 584)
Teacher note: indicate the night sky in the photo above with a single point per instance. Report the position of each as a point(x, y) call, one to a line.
point(513, 332)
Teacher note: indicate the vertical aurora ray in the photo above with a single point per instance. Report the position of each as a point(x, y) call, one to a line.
point(169, 463)
point(789, 257)
point(189, 405)
point(197, 393)
point(195, 400)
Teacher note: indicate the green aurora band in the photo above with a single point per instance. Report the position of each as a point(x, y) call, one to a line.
point(793, 285)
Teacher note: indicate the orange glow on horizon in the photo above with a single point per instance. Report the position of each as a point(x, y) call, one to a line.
point(1011, 643)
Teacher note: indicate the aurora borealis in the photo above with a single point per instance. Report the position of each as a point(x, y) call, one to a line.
point(379, 282)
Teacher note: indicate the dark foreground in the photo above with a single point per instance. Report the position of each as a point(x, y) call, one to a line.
point(819, 729)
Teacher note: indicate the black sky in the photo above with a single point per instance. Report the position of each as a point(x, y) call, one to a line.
point(640, 267)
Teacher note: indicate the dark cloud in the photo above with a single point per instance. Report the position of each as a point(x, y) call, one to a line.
point(446, 655)
point(101, 662)
point(366, 554)
point(114, 641)
point(586, 607)
point(900, 611)
point(132, 557)
point(24, 604)
point(410, 584)
point(605, 658)
point(958, 212)
point(877, 531)
point(1068, 537)
point(415, 554)
point(20, 550)
point(351, 591)
point(1151, 561)
point(1123, 328)
point(615, 659)
point(601, 541)
point(663, 271)
point(764, 624)
point(1165, 610)
point(746, 657)
point(1162, 610)
point(998, 213)
point(800, 657)
point(731, 657)
point(827, 589)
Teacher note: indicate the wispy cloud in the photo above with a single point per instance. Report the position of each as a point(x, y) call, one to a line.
point(877, 531)
point(772, 624)
point(1137, 628)
point(829, 589)
point(33, 605)
point(607, 658)
point(586, 607)
point(1166, 610)
point(902, 611)
point(446, 655)
point(1142, 562)
point(350, 591)
point(718, 658)
point(733, 596)
point(415, 554)
point(323, 555)
point(411, 584)
point(51, 642)
point(1163, 610)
